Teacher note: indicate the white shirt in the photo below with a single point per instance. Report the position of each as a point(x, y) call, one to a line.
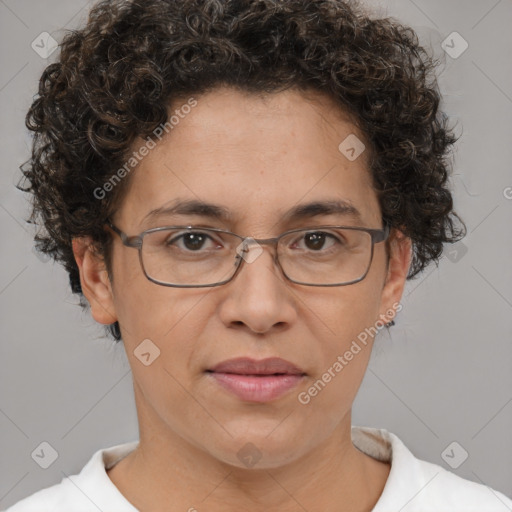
point(413, 485)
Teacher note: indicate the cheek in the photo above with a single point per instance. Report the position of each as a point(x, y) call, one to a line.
point(339, 315)
point(345, 352)
point(343, 325)
point(144, 309)
point(347, 348)
point(172, 318)
point(161, 344)
point(159, 326)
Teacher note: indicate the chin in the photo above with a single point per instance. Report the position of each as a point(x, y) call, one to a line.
point(253, 448)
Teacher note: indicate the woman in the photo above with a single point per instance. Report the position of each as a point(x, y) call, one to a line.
point(240, 191)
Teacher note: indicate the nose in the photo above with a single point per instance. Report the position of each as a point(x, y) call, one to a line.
point(259, 297)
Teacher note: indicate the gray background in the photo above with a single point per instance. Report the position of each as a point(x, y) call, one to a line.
point(442, 374)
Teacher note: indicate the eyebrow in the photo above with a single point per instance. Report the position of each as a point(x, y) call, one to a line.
point(220, 213)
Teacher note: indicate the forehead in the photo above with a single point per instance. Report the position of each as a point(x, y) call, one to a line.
point(258, 156)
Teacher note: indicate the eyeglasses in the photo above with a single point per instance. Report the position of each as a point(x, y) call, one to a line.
point(193, 257)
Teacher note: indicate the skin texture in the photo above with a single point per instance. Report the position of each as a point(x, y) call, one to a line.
point(258, 157)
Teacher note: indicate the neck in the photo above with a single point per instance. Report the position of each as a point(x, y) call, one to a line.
point(167, 469)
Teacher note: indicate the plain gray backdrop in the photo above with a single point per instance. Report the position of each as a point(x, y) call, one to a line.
point(443, 374)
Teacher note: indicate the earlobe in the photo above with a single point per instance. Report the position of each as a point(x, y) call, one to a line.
point(94, 280)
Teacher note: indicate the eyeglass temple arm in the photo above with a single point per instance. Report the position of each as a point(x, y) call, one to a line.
point(379, 235)
point(129, 241)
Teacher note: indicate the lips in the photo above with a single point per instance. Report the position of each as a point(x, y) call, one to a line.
point(257, 381)
point(247, 366)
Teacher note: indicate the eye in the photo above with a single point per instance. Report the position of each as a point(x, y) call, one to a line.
point(192, 241)
point(319, 240)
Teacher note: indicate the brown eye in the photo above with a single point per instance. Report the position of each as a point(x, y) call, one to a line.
point(192, 241)
point(318, 240)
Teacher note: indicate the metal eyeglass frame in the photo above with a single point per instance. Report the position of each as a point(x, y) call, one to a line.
point(135, 241)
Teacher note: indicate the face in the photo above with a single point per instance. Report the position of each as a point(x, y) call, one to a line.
point(257, 158)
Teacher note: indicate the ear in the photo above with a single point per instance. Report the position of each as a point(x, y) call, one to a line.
point(94, 279)
point(400, 255)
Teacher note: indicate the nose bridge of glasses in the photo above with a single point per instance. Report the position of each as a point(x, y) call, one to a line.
point(256, 244)
point(262, 241)
point(251, 248)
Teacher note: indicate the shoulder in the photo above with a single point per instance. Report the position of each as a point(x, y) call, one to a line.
point(444, 490)
point(90, 490)
point(415, 485)
point(66, 495)
point(45, 499)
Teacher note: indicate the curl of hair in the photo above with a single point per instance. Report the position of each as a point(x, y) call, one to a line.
point(115, 78)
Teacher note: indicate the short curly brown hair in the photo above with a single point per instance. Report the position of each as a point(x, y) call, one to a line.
point(115, 78)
